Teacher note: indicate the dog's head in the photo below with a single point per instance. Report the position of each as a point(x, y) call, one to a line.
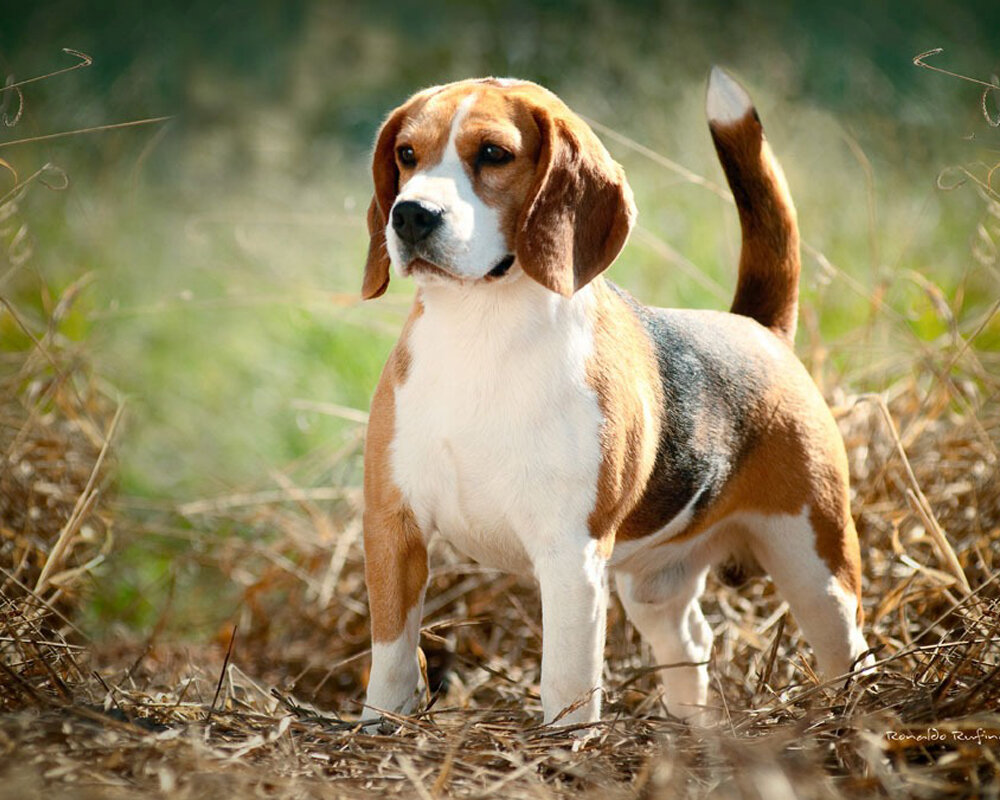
point(481, 180)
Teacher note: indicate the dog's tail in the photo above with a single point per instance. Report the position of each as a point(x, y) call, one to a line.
point(768, 286)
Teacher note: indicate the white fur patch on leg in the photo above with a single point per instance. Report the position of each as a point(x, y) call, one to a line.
point(727, 101)
point(574, 616)
point(825, 611)
point(395, 681)
point(676, 631)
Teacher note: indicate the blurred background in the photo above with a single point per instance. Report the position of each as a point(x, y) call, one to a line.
point(214, 258)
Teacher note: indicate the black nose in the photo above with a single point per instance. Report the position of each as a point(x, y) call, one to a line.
point(414, 221)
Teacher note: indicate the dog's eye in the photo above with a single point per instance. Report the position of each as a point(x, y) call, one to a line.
point(494, 155)
point(406, 156)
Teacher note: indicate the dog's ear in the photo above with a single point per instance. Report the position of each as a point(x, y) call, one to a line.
point(376, 278)
point(385, 175)
point(579, 211)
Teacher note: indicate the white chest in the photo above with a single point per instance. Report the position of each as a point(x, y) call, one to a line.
point(496, 444)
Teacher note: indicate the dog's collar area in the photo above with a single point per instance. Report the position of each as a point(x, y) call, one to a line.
point(501, 268)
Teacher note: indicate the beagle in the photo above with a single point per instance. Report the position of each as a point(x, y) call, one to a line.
point(545, 422)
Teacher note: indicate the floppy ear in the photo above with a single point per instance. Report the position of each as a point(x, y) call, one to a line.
point(376, 278)
point(580, 210)
point(385, 175)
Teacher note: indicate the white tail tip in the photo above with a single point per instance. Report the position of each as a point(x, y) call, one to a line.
point(727, 101)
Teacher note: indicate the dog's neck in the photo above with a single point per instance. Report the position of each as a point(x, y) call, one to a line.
point(495, 317)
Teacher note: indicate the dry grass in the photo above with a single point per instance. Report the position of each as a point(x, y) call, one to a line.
point(54, 525)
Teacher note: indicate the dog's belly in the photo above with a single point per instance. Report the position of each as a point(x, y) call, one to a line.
point(498, 453)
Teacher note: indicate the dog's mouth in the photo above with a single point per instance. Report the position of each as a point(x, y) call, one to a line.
point(501, 268)
point(421, 265)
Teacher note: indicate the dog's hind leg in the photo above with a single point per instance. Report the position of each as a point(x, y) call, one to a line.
point(815, 566)
point(667, 614)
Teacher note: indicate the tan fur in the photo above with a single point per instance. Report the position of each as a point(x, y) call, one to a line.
point(768, 285)
point(623, 373)
point(580, 210)
point(395, 553)
point(499, 120)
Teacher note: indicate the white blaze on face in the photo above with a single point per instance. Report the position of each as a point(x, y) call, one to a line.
point(468, 242)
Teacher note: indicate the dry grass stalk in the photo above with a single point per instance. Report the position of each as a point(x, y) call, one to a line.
point(54, 524)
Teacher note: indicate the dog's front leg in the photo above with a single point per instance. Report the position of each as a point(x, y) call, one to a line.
point(574, 615)
point(396, 574)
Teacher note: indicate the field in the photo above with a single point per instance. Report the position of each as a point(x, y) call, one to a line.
point(185, 371)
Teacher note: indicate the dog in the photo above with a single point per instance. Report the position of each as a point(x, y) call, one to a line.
point(546, 423)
